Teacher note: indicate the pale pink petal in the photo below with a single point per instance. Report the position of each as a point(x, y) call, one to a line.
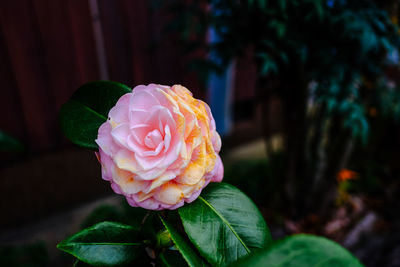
point(142, 100)
point(139, 88)
point(137, 116)
point(172, 155)
point(163, 98)
point(210, 117)
point(193, 197)
point(150, 174)
point(167, 176)
point(149, 204)
point(160, 116)
point(181, 90)
point(195, 170)
point(104, 139)
point(169, 193)
point(119, 114)
point(216, 142)
point(179, 164)
point(167, 138)
point(132, 202)
point(127, 181)
point(153, 139)
point(148, 162)
point(115, 187)
point(155, 152)
point(120, 134)
point(126, 160)
point(139, 132)
point(139, 197)
point(107, 165)
point(217, 173)
point(124, 100)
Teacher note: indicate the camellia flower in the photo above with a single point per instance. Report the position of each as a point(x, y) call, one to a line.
point(159, 147)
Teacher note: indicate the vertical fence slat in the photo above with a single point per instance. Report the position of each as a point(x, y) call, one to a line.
point(83, 41)
point(11, 119)
point(23, 46)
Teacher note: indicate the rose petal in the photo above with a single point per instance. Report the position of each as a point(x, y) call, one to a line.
point(148, 162)
point(124, 100)
point(127, 182)
point(137, 116)
point(168, 176)
point(172, 155)
point(169, 193)
point(119, 114)
point(107, 165)
point(217, 173)
point(115, 187)
point(105, 140)
point(167, 137)
point(155, 152)
point(143, 100)
point(126, 160)
point(195, 169)
point(149, 204)
point(120, 134)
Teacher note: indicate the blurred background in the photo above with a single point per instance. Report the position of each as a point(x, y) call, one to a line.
point(305, 94)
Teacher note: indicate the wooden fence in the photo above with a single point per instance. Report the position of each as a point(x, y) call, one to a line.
point(48, 48)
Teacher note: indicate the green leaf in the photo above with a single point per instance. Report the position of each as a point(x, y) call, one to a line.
point(104, 244)
point(301, 250)
point(183, 246)
point(87, 109)
point(224, 224)
point(9, 143)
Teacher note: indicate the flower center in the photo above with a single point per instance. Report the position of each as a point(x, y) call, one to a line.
point(153, 139)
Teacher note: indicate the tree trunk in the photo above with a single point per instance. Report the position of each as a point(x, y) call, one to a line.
point(295, 95)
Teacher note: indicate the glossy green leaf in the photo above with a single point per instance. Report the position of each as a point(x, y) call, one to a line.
point(301, 251)
point(224, 224)
point(183, 246)
point(87, 109)
point(104, 244)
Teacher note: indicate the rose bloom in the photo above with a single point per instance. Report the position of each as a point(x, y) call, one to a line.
point(159, 147)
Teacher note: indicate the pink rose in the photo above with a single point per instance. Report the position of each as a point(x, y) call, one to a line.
point(159, 147)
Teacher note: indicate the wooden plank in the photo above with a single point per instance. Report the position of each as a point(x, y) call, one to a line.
point(23, 45)
point(83, 41)
point(134, 16)
point(116, 42)
point(65, 44)
point(12, 119)
point(58, 55)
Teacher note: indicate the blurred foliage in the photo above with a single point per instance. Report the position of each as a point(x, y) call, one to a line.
point(333, 63)
point(258, 178)
point(31, 255)
point(343, 46)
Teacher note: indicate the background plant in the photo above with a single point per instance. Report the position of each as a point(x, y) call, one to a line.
point(327, 62)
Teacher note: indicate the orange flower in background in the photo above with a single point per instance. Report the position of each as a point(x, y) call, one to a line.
point(373, 112)
point(394, 20)
point(346, 174)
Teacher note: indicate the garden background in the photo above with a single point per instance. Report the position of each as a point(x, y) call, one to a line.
point(49, 48)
